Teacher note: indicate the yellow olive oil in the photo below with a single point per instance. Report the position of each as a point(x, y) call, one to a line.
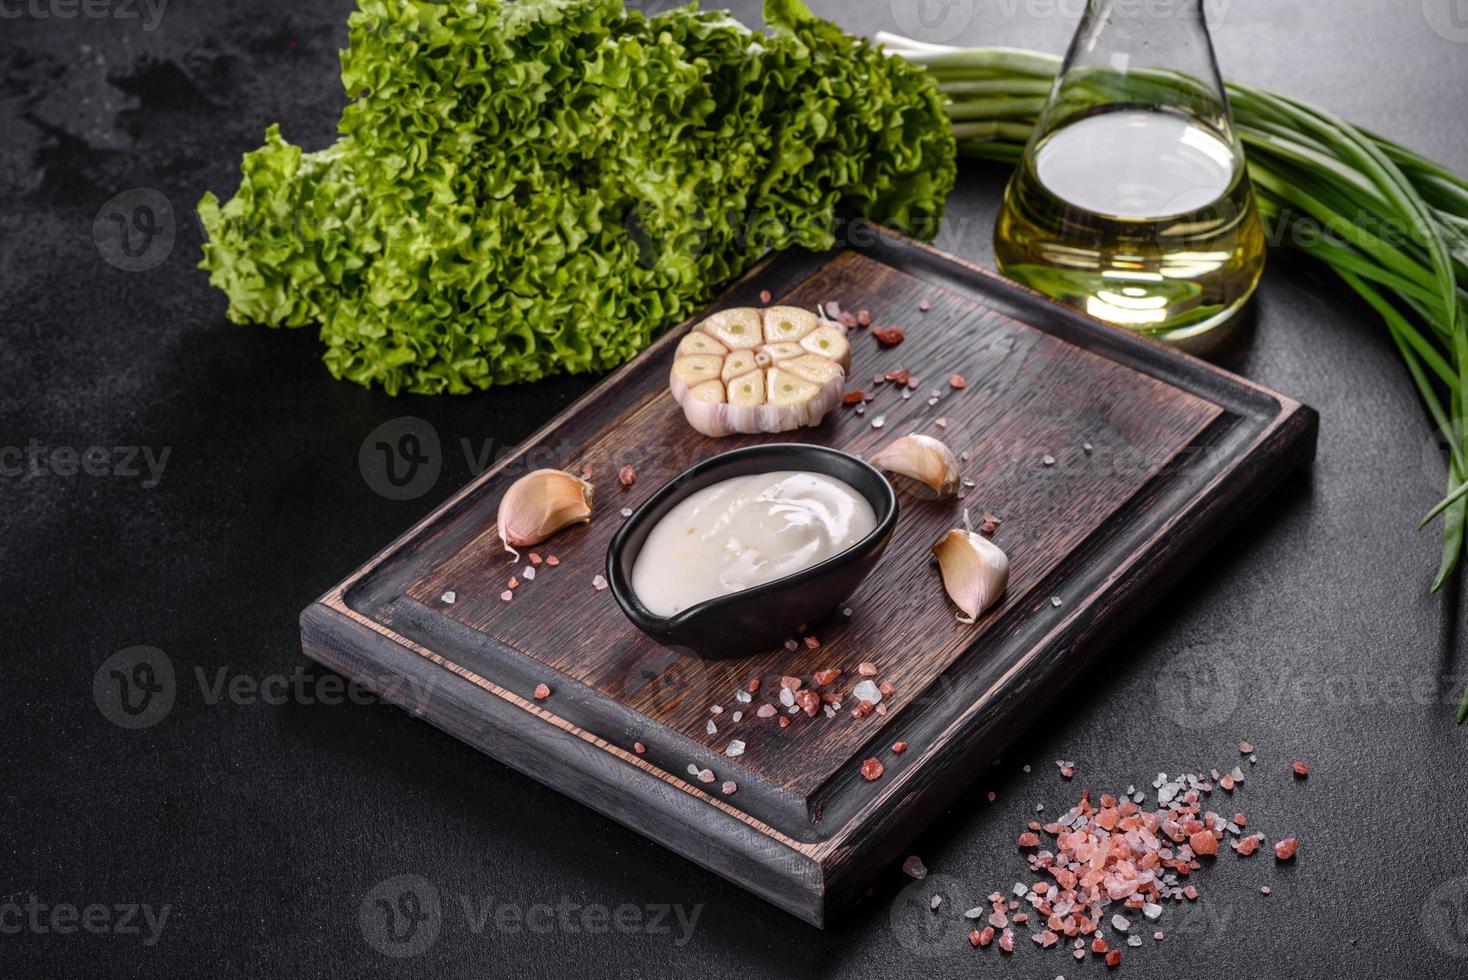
point(1137, 215)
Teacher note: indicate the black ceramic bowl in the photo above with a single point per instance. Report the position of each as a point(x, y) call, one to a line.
point(743, 623)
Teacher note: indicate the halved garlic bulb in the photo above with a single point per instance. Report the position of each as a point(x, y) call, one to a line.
point(975, 570)
point(747, 370)
point(541, 503)
point(921, 458)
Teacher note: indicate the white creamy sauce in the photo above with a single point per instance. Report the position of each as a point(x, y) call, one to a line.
point(745, 532)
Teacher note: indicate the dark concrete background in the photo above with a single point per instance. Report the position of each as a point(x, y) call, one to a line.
point(266, 827)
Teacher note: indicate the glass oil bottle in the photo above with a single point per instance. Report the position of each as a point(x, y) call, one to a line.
point(1132, 201)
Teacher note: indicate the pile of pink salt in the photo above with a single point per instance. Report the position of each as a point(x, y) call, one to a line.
point(1115, 860)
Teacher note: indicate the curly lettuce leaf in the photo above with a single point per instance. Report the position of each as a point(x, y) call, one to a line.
point(529, 188)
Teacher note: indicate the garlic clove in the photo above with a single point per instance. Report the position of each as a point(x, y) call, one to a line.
point(541, 503)
point(787, 390)
point(921, 458)
point(815, 369)
point(738, 363)
point(748, 389)
point(737, 329)
point(787, 324)
point(975, 571)
point(784, 352)
point(698, 342)
point(829, 342)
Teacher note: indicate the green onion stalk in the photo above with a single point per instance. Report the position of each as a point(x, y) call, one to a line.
point(1390, 222)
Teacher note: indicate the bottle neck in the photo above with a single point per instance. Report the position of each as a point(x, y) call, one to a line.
point(1136, 11)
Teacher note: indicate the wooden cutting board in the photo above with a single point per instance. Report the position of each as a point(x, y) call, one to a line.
point(1113, 463)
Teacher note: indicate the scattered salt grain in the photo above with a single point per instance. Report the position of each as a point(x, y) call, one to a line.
point(528, 574)
point(867, 691)
point(626, 511)
point(711, 728)
point(934, 902)
point(913, 867)
point(1055, 601)
point(507, 595)
point(735, 749)
point(1120, 923)
point(743, 697)
point(728, 788)
point(599, 583)
point(449, 597)
point(1048, 460)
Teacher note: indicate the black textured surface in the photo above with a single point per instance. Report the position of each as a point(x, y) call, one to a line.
point(265, 827)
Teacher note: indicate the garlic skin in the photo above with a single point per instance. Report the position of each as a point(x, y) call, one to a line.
point(975, 571)
point(921, 458)
point(541, 503)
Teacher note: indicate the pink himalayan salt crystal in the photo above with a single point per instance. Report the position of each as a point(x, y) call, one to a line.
point(1115, 852)
point(1248, 845)
point(913, 867)
point(1245, 748)
point(1157, 935)
point(1006, 941)
point(1285, 849)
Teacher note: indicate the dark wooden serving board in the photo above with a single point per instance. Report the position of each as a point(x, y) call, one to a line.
point(1178, 451)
